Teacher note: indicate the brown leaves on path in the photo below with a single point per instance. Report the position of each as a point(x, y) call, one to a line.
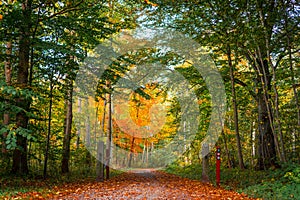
point(142, 185)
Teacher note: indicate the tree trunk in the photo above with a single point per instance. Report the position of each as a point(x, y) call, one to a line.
point(266, 148)
point(226, 150)
point(131, 152)
point(147, 154)
point(79, 125)
point(88, 159)
point(281, 152)
point(266, 151)
point(253, 137)
point(49, 128)
point(268, 141)
point(67, 129)
point(100, 158)
point(205, 163)
point(235, 111)
point(20, 153)
point(144, 152)
point(109, 135)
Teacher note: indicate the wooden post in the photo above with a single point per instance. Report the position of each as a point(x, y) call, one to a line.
point(205, 163)
point(100, 159)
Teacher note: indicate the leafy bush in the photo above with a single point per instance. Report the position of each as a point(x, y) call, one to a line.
point(274, 190)
point(282, 184)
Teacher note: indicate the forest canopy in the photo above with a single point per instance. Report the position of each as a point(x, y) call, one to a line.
point(49, 125)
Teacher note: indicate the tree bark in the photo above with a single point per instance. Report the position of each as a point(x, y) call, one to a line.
point(109, 135)
point(268, 137)
point(49, 127)
point(266, 148)
point(67, 129)
point(88, 159)
point(131, 152)
point(79, 125)
point(205, 163)
point(235, 111)
point(281, 150)
point(20, 165)
point(226, 149)
point(100, 165)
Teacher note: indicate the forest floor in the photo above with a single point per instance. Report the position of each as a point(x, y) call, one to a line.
point(137, 184)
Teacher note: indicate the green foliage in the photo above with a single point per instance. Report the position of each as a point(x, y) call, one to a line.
point(61, 36)
point(280, 184)
point(12, 132)
point(191, 171)
point(274, 190)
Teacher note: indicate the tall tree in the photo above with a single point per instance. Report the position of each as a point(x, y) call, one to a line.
point(20, 153)
point(253, 26)
point(32, 27)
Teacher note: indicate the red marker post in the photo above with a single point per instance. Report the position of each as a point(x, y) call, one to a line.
point(218, 166)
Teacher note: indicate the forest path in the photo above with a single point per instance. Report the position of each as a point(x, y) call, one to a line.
point(147, 184)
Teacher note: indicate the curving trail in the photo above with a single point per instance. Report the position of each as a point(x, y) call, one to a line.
point(146, 184)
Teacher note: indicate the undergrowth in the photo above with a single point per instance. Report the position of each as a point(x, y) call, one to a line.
point(281, 184)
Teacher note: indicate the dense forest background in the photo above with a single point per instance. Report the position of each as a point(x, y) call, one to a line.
point(254, 45)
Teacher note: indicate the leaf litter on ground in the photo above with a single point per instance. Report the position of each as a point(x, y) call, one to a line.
point(144, 184)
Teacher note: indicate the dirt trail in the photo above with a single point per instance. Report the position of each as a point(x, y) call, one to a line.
point(148, 184)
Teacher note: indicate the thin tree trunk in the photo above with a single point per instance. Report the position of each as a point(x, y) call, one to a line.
point(235, 111)
point(88, 158)
point(103, 118)
point(109, 135)
point(144, 152)
point(281, 152)
point(205, 163)
point(88, 131)
point(78, 127)
point(226, 149)
point(253, 139)
point(131, 152)
point(100, 158)
point(67, 129)
point(49, 127)
point(147, 154)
